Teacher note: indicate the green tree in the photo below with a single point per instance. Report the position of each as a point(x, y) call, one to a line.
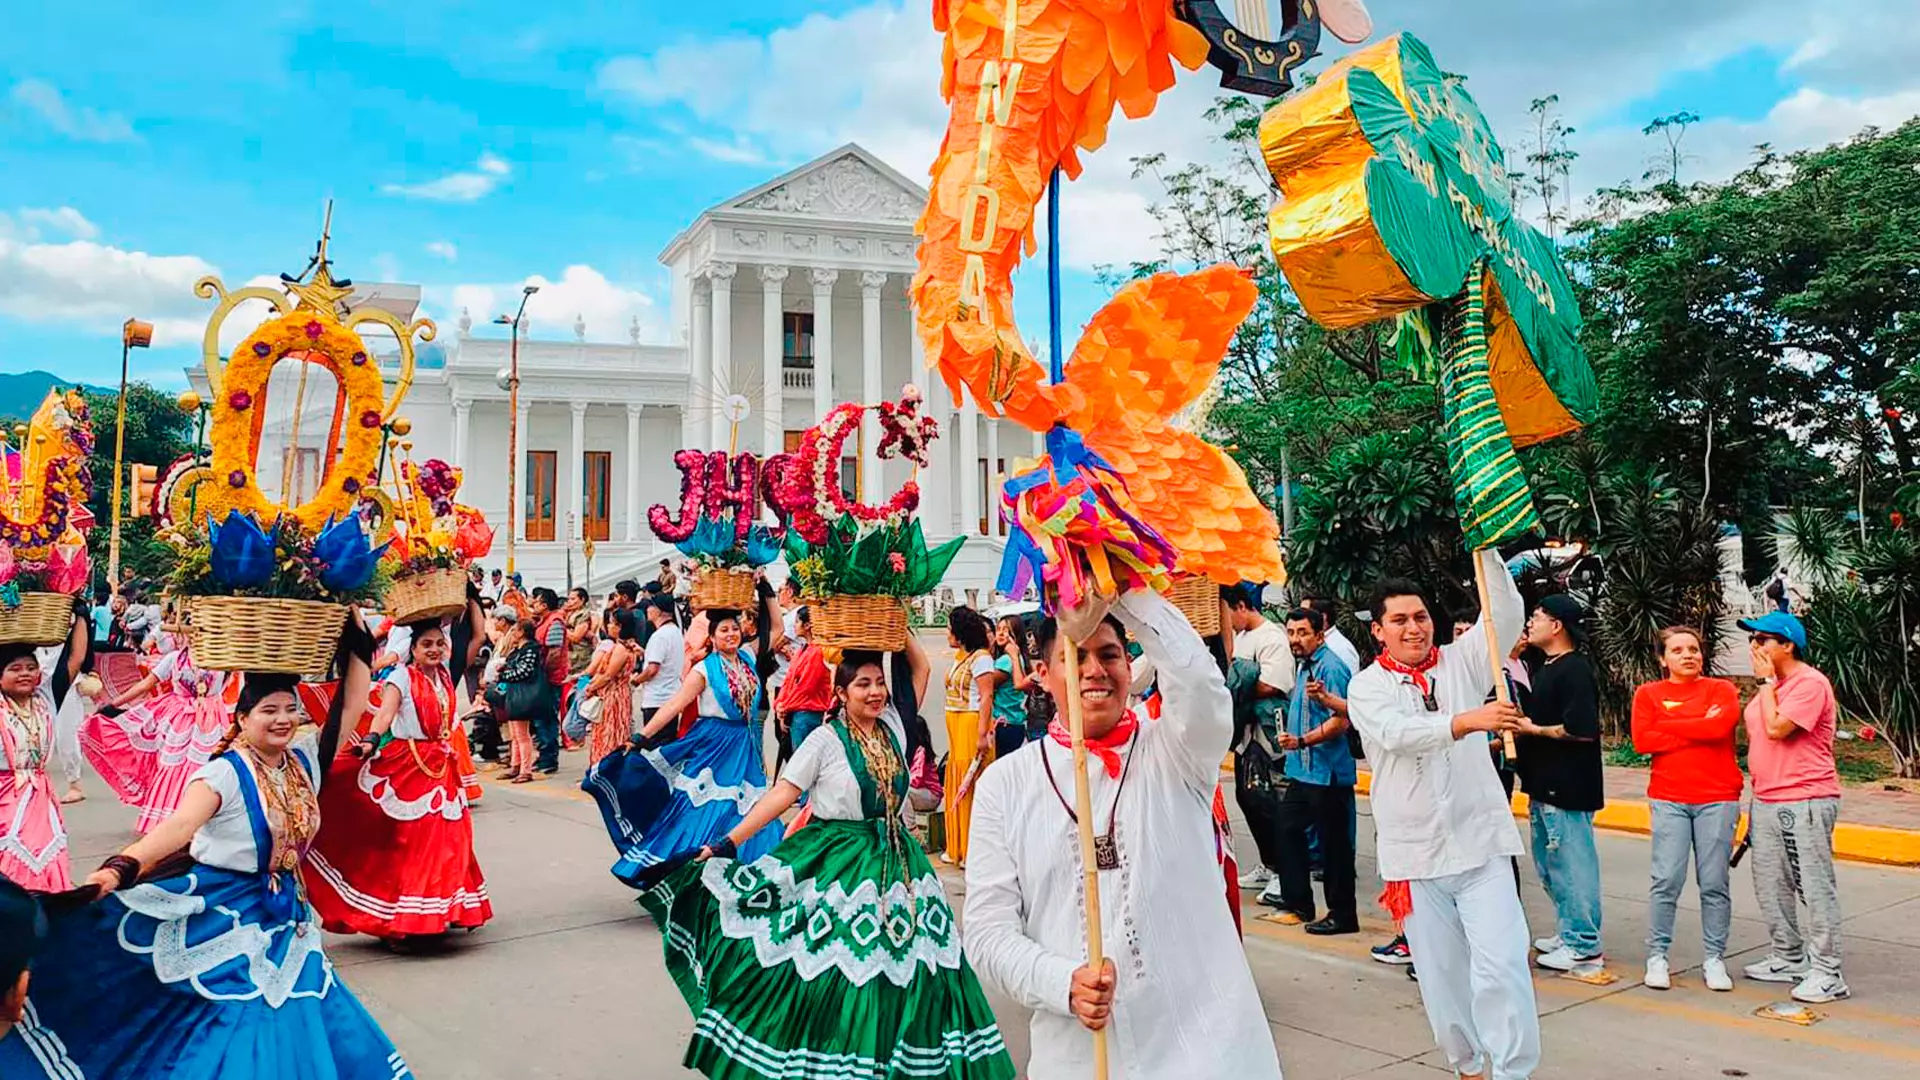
point(157, 434)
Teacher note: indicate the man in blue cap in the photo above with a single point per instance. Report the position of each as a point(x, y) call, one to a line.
point(1796, 801)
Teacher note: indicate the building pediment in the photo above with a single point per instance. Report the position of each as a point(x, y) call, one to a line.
point(847, 185)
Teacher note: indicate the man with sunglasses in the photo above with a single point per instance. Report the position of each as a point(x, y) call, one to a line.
point(1443, 824)
point(1796, 801)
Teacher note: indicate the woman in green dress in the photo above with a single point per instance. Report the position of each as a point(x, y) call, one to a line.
point(837, 948)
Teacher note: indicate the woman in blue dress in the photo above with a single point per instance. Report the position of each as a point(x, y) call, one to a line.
point(664, 799)
point(207, 963)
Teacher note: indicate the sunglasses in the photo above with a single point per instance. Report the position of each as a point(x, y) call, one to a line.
point(1766, 639)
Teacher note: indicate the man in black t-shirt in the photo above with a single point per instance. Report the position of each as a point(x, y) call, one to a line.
point(1559, 766)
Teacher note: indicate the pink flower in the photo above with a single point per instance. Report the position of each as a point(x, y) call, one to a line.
point(898, 562)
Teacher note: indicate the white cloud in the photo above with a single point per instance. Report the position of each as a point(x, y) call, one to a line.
point(45, 101)
point(737, 151)
point(98, 287)
point(871, 75)
point(443, 250)
point(488, 173)
point(66, 221)
point(607, 307)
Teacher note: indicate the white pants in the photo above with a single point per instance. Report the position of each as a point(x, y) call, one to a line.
point(1468, 935)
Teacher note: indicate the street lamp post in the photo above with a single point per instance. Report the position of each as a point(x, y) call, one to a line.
point(513, 417)
point(134, 334)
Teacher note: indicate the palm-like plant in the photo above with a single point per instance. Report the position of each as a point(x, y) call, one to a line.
point(1861, 618)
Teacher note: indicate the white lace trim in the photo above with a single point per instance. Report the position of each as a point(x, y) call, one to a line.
point(804, 1064)
point(462, 898)
point(864, 902)
point(182, 740)
point(14, 841)
point(175, 960)
point(704, 789)
point(436, 801)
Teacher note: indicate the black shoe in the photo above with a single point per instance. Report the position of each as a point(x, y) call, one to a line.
point(1412, 974)
point(1329, 926)
point(1319, 875)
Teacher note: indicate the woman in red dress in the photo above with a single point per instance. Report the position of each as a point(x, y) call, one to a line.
point(395, 857)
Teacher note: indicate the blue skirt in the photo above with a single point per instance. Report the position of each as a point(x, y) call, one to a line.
point(192, 978)
point(682, 796)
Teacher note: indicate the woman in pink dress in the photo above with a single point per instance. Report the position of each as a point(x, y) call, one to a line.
point(33, 835)
point(149, 752)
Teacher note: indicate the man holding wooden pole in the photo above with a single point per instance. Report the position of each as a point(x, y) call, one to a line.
point(1174, 999)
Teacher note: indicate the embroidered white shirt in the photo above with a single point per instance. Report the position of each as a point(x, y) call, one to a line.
point(226, 841)
point(821, 769)
point(1438, 807)
point(1185, 1007)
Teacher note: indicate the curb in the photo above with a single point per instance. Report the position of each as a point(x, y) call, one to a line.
point(1878, 845)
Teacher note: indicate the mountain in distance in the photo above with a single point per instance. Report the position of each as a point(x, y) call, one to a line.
point(22, 392)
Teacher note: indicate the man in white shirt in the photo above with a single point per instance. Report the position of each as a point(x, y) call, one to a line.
point(1174, 995)
point(659, 674)
point(1442, 822)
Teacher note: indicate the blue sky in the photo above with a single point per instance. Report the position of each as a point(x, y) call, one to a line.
point(471, 145)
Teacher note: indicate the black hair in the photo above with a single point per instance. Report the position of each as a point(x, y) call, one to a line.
point(547, 596)
point(1388, 588)
point(625, 624)
point(24, 923)
point(1321, 603)
point(1050, 631)
point(665, 562)
point(1315, 619)
point(899, 689)
point(970, 628)
point(628, 588)
point(261, 685)
point(1241, 596)
point(718, 615)
point(581, 592)
point(17, 650)
point(1017, 634)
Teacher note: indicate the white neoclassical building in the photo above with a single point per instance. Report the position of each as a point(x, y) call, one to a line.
point(792, 295)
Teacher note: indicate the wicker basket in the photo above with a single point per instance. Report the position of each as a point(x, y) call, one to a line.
point(1198, 598)
point(246, 633)
point(730, 589)
point(430, 595)
point(859, 622)
point(43, 618)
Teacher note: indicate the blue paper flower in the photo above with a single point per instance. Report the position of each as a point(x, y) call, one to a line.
point(347, 558)
point(239, 556)
point(762, 548)
point(710, 538)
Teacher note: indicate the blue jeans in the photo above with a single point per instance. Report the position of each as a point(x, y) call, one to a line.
point(800, 724)
point(1704, 833)
point(1569, 867)
point(546, 731)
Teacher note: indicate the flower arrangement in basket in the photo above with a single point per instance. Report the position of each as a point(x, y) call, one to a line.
point(43, 516)
point(266, 586)
point(434, 540)
point(855, 563)
point(719, 494)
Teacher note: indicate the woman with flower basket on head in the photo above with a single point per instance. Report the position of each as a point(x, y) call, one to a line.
point(149, 752)
point(772, 953)
point(397, 860)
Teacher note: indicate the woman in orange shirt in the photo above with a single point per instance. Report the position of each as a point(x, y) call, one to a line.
point(1686, 722)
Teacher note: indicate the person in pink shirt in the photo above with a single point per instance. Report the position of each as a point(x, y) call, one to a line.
point(1796, 801)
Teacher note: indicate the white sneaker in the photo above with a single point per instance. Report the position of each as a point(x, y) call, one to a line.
point(1548, 944)
point(1256, 878)
point(1271, 896)
point(1658, 976)
point(1819, 987)
point(1775, 970)
point(1714, 970)
point(1565, 959)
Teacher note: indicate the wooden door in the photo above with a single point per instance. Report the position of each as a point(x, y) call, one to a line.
point(540, 480)
point(594, 505)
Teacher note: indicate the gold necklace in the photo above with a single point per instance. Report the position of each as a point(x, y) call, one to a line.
point(33, 730)
point(291, 808)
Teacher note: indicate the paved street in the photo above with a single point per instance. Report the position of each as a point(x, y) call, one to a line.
point(568, 980)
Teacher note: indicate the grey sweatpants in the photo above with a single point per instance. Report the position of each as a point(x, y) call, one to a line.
point(1793, 864)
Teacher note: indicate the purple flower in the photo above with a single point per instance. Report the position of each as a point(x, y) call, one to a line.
point(240, 401)
point(314, 329)
point(237, 478)
point(261, 348)
point(350, 485)
point(359, 358)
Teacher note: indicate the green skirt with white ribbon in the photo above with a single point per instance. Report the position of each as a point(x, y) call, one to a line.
point(834, 956)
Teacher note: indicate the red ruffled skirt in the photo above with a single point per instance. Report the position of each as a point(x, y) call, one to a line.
point(394, 856)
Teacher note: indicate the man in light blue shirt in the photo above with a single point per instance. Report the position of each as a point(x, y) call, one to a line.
point(1320, 774)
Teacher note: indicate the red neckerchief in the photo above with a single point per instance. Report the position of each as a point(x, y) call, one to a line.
point(1106, 747)
point(1416, 672)
point(427, 686)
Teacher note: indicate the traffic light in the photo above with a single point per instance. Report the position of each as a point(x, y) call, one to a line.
point(145, 480)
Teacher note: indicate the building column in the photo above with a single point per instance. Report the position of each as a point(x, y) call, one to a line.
point(576, 519)
point(992, 493)
point(969, 464)
point(773, 281)
point(633, 473)
point(693, 426)
point(823, 342)
point(722, 366)
point(936, 484)
point(517, 517)
point(871, 484)
point(462, 433)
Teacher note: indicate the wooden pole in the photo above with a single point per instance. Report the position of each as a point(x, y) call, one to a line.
point(1495, 658)
point(1083, 811)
